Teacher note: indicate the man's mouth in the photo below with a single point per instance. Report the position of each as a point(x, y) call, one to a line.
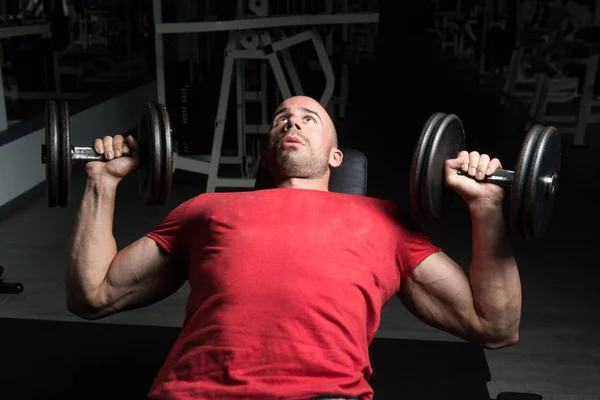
point(291, 140)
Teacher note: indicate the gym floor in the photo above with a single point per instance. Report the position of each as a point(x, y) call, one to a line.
point(558, 354)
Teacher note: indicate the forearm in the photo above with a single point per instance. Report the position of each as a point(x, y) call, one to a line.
point(494, 275)
point(93, 246)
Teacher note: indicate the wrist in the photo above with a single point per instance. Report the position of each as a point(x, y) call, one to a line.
point(485, 208)
point(102, 183)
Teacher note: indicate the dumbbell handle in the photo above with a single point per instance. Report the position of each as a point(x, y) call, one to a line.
point(502, 177)
point(81, 154)
point(89, 154)
point(86, 154)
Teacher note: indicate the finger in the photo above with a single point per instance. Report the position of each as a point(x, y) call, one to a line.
point(473, 162)
point(464, 157)
point(131, 143)
point(484, 161)
point(98, 146)
point(108, 147)
point(118, 145)
point(493, 166)
point(454, 164)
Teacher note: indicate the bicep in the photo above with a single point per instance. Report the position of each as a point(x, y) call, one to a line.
point(141, 274)
point(438, 292)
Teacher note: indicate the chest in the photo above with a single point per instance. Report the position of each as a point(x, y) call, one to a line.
point(300, 244)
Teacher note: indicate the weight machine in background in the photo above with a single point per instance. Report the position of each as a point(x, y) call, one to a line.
point(530, 53)
point(18, 19)
point(552, 71)
point(104, 45)
point(455, 26)
point(259, 46)
point(63, 49)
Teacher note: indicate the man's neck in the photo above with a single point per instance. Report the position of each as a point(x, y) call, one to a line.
point(300, 183)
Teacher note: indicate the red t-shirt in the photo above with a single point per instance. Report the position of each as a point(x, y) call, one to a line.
point(286, 291)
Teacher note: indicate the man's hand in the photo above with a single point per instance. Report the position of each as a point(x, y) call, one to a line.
point(117, 166)
point(473, 191)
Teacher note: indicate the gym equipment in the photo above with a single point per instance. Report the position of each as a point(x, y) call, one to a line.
point(248, 40)
point(9, 287)
point(532, 184)
point(153, 135)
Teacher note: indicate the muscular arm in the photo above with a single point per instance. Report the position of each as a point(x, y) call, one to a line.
point(100, 280)
point(483, 307)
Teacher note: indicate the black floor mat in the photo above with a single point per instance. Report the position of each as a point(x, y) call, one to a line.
point(85, 361)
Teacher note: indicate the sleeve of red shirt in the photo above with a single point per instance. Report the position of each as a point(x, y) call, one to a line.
point(168, 233)
point(413, 246)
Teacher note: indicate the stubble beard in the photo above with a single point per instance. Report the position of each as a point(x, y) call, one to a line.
point(300, 163)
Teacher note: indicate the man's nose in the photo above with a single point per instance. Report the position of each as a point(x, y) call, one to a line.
point(293, 122)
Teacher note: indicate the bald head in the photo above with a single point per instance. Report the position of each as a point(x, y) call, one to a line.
point(303, 140)
point(314, 107)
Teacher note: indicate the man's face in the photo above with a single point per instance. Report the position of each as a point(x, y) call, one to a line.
point(300, 140)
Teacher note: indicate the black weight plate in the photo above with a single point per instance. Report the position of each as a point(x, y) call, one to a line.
point(517, 191)
point(541, 184)
point(64, 133)
point(167, 153)
point(52, 153)
point(416, 166)
point(448, 140)
point(150, 163)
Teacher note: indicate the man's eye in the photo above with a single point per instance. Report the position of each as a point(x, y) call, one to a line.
point(309, 119)
point(282, 119)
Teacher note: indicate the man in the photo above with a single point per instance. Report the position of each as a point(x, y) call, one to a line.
point(287, 284)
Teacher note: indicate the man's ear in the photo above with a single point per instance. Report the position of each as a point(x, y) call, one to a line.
point(335, 158)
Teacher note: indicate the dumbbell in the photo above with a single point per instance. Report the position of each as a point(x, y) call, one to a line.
point(533, 183)
point(153, 136)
